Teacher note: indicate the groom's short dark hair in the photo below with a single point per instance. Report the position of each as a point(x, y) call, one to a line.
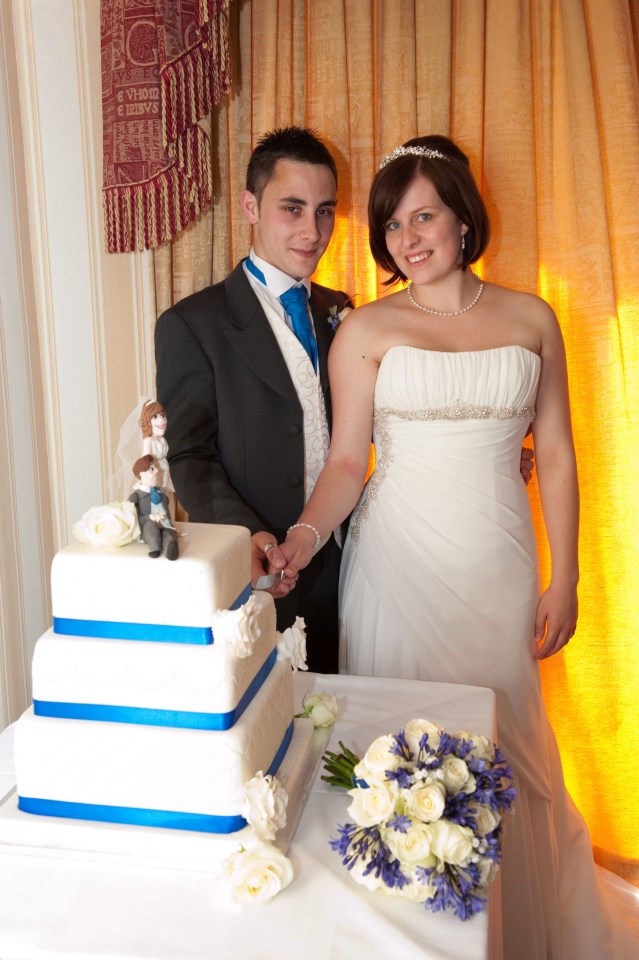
point(286, 143)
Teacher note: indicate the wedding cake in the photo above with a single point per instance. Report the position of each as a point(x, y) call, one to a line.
point(157, 693)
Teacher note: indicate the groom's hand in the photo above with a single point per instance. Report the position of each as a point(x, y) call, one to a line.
point(266, 557)
point(526, 463)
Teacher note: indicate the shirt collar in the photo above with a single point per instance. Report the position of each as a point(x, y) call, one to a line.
point(277, 282)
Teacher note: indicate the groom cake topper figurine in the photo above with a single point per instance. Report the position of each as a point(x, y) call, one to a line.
point(152, 505)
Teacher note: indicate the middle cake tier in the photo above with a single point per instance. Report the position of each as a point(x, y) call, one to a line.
point(199, 686)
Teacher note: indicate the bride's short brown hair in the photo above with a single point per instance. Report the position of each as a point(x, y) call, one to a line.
point(452, 178)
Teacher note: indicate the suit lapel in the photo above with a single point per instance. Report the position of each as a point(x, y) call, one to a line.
point(250, 334)
point(320, 308)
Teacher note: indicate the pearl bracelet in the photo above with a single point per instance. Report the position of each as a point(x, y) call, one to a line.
point(308, 526)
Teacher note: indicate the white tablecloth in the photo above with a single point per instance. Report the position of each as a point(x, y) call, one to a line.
point(64, 908)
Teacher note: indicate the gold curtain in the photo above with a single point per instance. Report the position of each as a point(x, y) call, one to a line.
point(544, 97)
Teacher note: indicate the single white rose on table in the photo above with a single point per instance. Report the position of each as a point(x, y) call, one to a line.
point(373, 804)
point(415, 730)
point(112, 525)
point(291, 645)
point(239, 628)
point(265, 802)
point(321, 708)
point(258, 874)
point(425, 801)
point(451, 843)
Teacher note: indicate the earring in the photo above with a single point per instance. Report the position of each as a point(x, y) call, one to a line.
point(463, 243)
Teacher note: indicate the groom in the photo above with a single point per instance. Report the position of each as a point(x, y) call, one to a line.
point(242, 374)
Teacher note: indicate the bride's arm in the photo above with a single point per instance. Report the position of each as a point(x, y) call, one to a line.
point(352, 373)
point(557, 474)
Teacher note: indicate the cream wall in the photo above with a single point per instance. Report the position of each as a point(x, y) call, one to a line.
point(75, 324)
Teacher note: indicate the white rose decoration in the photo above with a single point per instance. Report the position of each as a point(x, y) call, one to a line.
point(291, 645)
point(258, 874)
point(373, 804)
point(455, 773)
point(415, 730)
point(112, 525)
point(265, 802)
point(378, 758)
point(412, 846)
point(451, 843)
point(321, 708)
point(239, 628)
point(426, 801)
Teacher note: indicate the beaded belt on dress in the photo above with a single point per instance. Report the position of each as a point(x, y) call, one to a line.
point(457, 410)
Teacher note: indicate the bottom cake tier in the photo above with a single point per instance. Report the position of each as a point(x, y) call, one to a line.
point(149, 775)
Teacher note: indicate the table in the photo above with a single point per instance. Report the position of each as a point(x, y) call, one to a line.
point(61, 908)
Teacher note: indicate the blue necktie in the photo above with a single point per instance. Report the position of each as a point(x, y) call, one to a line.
point(295, 302)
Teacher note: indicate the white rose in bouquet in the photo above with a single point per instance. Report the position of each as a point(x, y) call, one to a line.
point(414, 730)
point(291, 645)
point(378, 758)
point(426, 801)
point(451, 843)
point(370, 881)
point(265, 802)
point(455, 774)
point(112, 525)
point(239, 628)
point(482, 747)
point(258, 874)
point(417, 890)
point(373, 804)
point(413, 846)
point(486, 820)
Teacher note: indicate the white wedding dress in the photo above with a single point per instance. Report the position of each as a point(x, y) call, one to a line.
point(439, 582)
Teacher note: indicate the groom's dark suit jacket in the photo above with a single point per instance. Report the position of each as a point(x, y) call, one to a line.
point(236, 435)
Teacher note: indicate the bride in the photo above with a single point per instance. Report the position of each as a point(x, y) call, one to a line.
point(439, 575)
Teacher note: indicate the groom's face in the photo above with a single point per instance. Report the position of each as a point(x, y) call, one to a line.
point(294, 219)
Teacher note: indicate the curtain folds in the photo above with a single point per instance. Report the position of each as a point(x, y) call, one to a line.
point(544, 97)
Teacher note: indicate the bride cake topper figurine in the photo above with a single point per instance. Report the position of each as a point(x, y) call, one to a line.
point(152, 505)
point(153, 422)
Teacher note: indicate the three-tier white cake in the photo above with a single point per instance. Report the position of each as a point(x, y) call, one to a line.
point(157, 693)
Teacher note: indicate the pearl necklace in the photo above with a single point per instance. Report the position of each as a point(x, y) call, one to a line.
point(444, 313)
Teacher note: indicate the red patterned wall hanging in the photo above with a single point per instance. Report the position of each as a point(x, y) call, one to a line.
point(165, 63)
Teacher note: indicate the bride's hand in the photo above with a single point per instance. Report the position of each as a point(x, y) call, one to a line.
point(557, 618)
point(298, 549)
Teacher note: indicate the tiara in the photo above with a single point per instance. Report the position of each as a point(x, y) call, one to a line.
point(414, 151)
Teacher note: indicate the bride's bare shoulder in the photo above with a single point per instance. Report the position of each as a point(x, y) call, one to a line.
point(520, 306)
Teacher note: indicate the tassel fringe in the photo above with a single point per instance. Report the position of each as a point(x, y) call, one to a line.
point(142, 216)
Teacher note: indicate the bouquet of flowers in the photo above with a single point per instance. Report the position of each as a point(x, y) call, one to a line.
point(427, 808)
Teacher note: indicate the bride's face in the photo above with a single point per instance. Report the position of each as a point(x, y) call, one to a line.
point(423, 235)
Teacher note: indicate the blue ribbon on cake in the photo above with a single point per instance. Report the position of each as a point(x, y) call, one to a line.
point(158, 632)
point(157, 717)
point(139, 816)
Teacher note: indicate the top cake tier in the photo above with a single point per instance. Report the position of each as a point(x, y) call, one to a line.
point(123, 593)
